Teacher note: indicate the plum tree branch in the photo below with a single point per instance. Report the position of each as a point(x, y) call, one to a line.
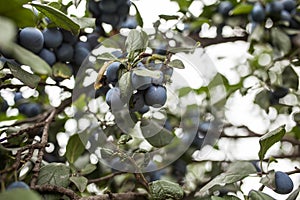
point(105, 178)
point(44, 141)
point(217, 40)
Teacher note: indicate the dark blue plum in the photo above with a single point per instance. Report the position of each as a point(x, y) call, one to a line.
point(289, 5)
point(94, 8)
point(30, 109)
point(18, 96)
point(258, 13)
point(68, 37)
point(53, 37)
point(225, 7)
point(85, 45)
point(112, 72)
point(280, 92)
point(159, 80)
point(3, 105)
point(113, 96)
point(108, 6)
point(204, 127)
point(137, 101)
point(274, 9)
point(32, 39)
point(179, 168)
point(64, 52)
point(154, 66)
point(155, 96)
point(140, 82)
point(130, 23)
point(92, 38)
point(161, 50)
point(285, 16)
point(118, 54)
point(80, 54)
point(144, 109)
point(168, 72)
point(124, 9)
point(18, 185)
point(48, 56)
point(255, 163)
point(283, 183)
point(111, 19)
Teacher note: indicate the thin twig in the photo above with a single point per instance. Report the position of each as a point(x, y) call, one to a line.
point(105, 178)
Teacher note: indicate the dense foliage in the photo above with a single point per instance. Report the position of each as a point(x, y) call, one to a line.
point(100, 107)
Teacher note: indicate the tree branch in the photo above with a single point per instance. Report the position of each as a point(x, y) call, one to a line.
point(119, 196)
point(44, 141)
point(217, 40)
point(105, 178)
point(56, 189)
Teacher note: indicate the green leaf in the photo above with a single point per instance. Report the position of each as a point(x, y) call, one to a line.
point(136, 41)
point(85, 22)
point(263, 99)
point(258, 195)
point(162, 190)
point(54, 174)
point(294, 195)
point(58, 18)
point(107, 56)
point(27, 78)
point(269, 180)
point(7, 33)
point(24, 18)
point(74, 148)
point(236, 172)
point(290, 78)
point(17, 194)
point(176, 64)
point(80, 182)
point(281, 41)
point(124, 139)
point(26, 57)
point(157, 136)
point(242, 8)
point(147, 73)
point(267, 140)
point(184, 91)
point(61, 70)
point(89, 168)
point(168, 17)
point(138, 16)
point(125, 86)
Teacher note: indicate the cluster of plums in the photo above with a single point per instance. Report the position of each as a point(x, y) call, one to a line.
point(277, 93)
point(113, 12)
point(277, 10)
point(57, 45)
point(148, 91)
point(29, 109)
